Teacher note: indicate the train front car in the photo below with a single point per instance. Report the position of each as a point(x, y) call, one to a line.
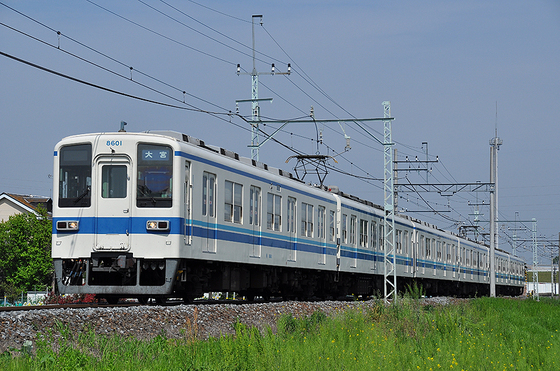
point(116, 215)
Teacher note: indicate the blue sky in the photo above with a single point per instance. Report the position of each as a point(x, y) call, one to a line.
point(444, 65)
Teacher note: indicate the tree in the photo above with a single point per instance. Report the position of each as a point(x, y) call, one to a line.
point(25, 251)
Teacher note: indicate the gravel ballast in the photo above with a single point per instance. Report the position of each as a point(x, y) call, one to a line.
point(147, 322)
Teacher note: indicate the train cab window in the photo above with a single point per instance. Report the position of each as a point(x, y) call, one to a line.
point(155, 176)
point(74, 179)
point(233, 210)
point(113, 181)
point(274, 212)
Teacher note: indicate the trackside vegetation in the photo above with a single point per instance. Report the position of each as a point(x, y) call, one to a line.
point(479, 334)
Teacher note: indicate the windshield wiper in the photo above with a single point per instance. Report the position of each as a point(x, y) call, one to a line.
point(79, 198)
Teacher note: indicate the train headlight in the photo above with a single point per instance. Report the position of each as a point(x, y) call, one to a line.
point(67, 225)
point(157, 225)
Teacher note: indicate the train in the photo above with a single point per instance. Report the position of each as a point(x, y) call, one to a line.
point(161, 214)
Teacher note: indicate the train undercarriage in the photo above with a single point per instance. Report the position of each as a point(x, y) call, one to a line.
point(119, 275)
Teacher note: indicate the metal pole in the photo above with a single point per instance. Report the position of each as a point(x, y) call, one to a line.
point(255, 104)
point(390, 266)
point(492, 227)
point(494, 147)
point(535, 262)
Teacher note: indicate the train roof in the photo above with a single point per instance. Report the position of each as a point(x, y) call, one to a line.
point(180, 137)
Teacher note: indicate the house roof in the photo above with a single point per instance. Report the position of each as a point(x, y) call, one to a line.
point(28, 202)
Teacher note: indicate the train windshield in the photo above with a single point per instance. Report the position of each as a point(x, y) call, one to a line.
point(155, 176)
point(74, 181)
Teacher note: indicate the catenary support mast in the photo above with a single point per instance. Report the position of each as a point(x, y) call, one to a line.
point(494, 147)
point(390, 265)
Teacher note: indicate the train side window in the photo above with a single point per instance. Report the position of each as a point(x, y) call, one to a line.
point(344, 228)
point(254, 206)
point(373, 235)
point(332, 224)
point(398, 237)
point(381, 236)
point(363, 233)
point(291, 225)
point(321, 222)
point(353, 222)
point(306, 220)
point(74, 179)
point(233, 201)
point(406, 243)
point(208, 194)
point(274, 212)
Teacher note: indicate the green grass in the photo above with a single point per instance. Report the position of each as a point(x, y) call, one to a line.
point(482, 334)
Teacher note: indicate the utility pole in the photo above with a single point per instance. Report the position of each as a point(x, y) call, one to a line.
point(494, 147)
point(535, 261)
point(255, 116)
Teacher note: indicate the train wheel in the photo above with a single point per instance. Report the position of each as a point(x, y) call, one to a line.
point(161, 300)
point(143, 300)
point(112, 300)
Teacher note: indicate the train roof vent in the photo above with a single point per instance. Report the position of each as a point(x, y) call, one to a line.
point(194, 141)
point(167, 133)
point(229, 153)
point(333, 189)
point(287, 174)
point(247, 161)
point(209, 147)
point(261, 165)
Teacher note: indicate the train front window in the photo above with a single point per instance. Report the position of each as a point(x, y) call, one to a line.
point(155, 176)
point(74, 179)
point(113, 181)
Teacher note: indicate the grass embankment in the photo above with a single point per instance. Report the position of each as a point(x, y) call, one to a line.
point(481, 334)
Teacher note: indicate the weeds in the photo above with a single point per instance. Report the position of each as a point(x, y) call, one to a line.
point(485, 333)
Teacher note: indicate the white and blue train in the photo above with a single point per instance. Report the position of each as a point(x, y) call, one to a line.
point(162, 214)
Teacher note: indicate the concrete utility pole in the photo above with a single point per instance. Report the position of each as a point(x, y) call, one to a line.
point(255, 117)
point(495, 144)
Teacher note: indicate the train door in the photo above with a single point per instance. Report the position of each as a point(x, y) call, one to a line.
point(292, 229)
point(188, 212)
point(209, 221)
point(113, 219)
point(255, 219)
